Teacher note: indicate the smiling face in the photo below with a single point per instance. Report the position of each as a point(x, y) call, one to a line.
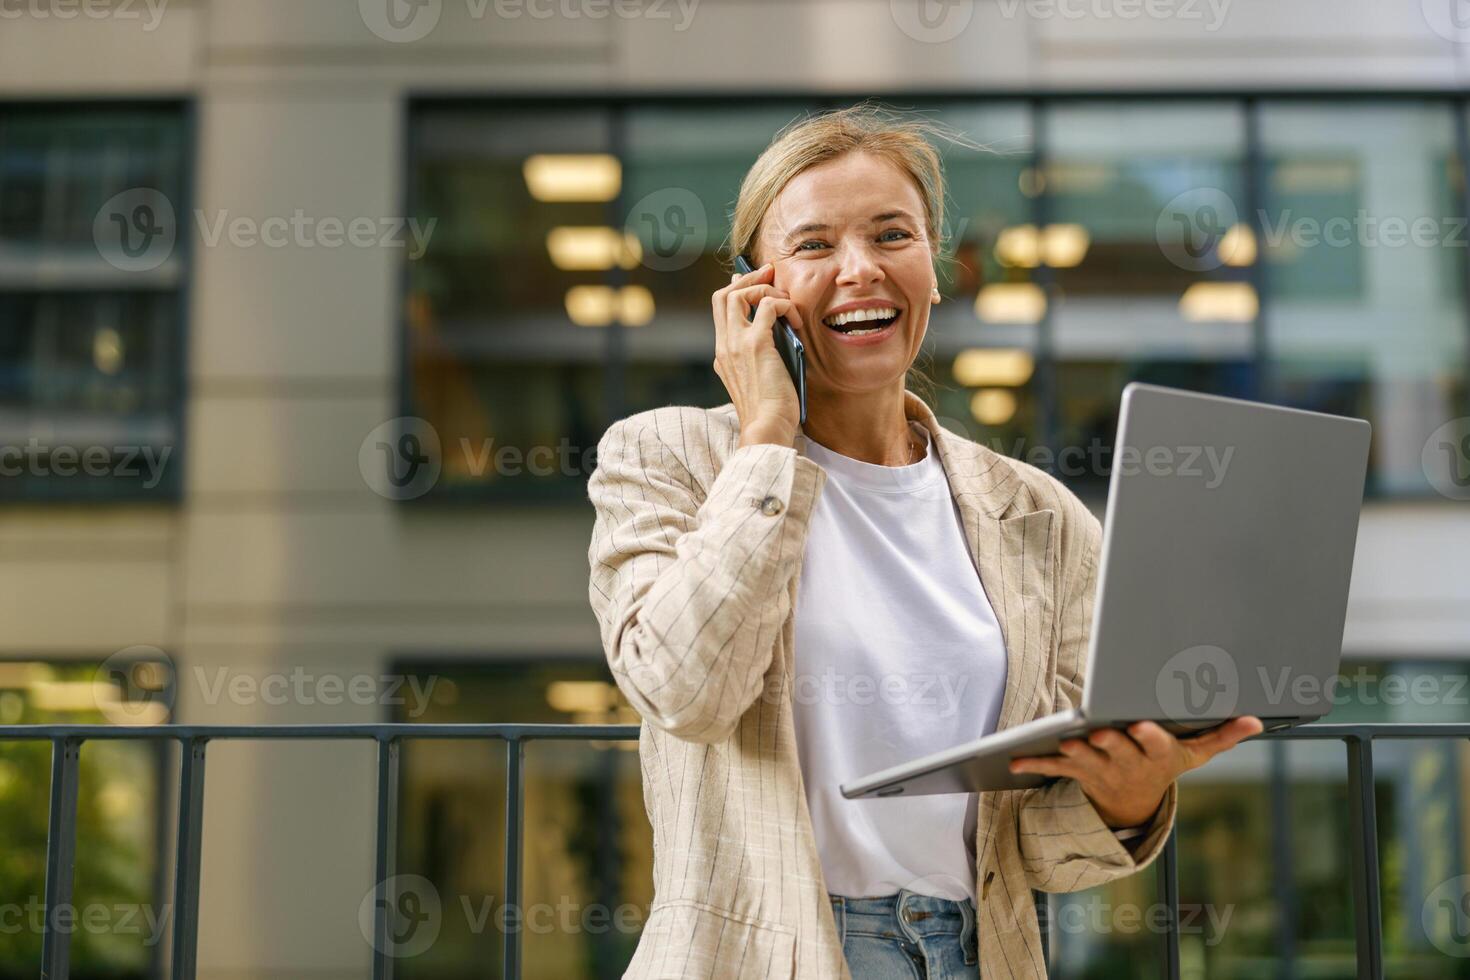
point(852, 249)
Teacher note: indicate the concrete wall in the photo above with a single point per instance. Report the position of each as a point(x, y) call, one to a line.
point(280, 555)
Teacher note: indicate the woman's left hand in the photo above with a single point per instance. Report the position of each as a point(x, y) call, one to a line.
point(1125, 775)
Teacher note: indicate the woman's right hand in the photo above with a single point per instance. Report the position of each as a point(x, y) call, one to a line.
point(746, 359)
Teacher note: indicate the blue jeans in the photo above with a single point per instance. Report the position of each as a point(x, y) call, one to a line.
point(906, 935)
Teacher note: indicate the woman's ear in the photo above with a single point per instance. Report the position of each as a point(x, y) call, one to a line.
point(934, 294)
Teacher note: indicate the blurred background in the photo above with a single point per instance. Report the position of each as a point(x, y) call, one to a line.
point(313, 311)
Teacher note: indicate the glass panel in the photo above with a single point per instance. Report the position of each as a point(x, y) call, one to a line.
point(58, 166)
point(526, 429)
point(588, 847)
point(1426, 875)
point(88, 395)
point(1149, 185)
point(495, 360)
point(90, 370)
point(1365, 250)
point(1148, 193)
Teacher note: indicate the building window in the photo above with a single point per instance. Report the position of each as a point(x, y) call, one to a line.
point(1265, 845)
point(121, 828)
point(92, 272)
point(569, 279)
point(1365, 258)
point(1092, 242)
point(587, 845)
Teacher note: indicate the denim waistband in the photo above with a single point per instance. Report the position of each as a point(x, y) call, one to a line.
point(910, 914)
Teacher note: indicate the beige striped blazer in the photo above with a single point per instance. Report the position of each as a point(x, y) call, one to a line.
point(695, 557)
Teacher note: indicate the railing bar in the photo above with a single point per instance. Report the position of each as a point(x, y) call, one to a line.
point(186, 858)
point(529, 733)
point(158, 880)
point(515, 751)
point(61, 856)
point(1045, 916)
point(1169, 890)
point(1364, 827)
point(387, 858)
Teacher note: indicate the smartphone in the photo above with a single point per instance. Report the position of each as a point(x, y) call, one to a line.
point(787, 344)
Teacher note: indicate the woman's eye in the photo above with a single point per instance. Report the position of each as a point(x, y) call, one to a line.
point(894, 231)
point(811, 245)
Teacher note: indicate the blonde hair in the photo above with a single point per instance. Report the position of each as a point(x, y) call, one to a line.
point(905, 141)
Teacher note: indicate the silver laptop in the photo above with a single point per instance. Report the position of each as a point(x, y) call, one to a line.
point(1222, 590)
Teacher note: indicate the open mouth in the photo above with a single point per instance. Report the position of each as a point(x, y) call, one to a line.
point(861, 323)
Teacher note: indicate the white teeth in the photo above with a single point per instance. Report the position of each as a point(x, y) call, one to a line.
point(854, 316)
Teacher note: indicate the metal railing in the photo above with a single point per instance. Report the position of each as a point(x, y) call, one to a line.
point(66, 742)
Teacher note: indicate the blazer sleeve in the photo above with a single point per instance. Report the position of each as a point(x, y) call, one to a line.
point(690, 587)
point(1065, 844)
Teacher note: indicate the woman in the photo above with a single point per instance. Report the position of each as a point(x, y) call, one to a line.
point(791, 606)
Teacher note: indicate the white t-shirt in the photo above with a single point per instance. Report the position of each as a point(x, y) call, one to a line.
point(898, 654)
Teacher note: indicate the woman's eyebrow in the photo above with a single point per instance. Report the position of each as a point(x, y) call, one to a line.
point(819, 226)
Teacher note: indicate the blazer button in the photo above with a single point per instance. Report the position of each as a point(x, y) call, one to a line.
point(771, 506)
point(985, 888)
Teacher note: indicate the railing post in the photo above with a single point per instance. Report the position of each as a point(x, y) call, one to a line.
point(61, 857)
point(1364, 826)
point(515, 754)
point(1169, 891)
point(1042, 902)
point(186, 860)
point(1281, 862)
point(386, 898)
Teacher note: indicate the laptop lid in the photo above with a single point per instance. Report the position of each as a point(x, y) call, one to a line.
point(1227, 552)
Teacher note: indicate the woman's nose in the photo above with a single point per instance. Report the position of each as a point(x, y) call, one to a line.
point(858, 266)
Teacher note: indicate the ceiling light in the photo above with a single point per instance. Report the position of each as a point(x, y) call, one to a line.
point(583, 249)
point(1010, 302)
point(985, 366)
point(1224, 302)
point(573, 176)
point(993, 406)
